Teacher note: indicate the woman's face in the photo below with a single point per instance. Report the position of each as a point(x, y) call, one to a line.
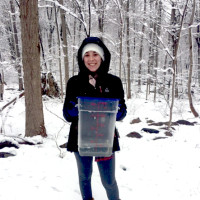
point(92, 60)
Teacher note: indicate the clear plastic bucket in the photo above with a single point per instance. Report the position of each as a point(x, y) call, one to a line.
point(96, 127)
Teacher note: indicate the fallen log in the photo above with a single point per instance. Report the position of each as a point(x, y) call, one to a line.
point(9, 144)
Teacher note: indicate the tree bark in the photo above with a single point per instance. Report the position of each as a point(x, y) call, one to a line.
point(174, 66)
point(141, 50)
point(65, 45)
point(191, 64)
point(31, 64)
point(151, 56)
point(157, 31)
point(16, 47)
point(59, 53)
point(128, 52)
point(100, 8)
point(198, 40)
point(74, 43)
point(50, 14)
point(120, 35)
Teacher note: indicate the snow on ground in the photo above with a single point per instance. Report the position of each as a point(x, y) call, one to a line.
point(160, 169)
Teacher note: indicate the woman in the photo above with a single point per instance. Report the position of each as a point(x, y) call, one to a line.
point(93, 80)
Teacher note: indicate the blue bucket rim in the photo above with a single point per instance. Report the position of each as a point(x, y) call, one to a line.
point(99, 98)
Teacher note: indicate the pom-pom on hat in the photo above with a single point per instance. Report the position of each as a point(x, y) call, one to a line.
point(93, 47)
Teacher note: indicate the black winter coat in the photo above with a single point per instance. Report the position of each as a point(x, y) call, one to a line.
point(107, 86)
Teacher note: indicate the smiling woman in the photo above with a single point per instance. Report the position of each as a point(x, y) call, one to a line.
point(92, 60)
point(93, 81)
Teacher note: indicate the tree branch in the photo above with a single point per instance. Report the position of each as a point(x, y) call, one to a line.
point(72, 14)
point(12, 101)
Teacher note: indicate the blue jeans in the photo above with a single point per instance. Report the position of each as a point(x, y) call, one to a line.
point(107, 173)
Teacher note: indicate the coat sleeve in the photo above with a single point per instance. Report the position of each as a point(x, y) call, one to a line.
point(122, 106)
point(70, 107)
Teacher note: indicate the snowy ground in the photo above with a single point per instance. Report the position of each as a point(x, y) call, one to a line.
point(146, 169)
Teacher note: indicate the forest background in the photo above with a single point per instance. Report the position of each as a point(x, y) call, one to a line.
point(155, 47)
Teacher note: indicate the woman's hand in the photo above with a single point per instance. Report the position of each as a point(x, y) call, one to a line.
point(70, 111)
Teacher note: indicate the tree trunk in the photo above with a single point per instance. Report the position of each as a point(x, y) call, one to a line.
point(59, 53)
point(133, 49)
point(65, 45)
point(175, 23)
point(151, 57)
point(155, 61)
point(42, 49)
point(120, 48)
point(128, 52)
point(166, 82)
point(174, 66)
point(101, 8)
point(74, 44)
point(100, 12)
point(16, 47)
point(198, 40)
point(10, 39)
point(141, 50)
point(74, 50)
point(159, 16)
point(31, 64)
point(191, 64)
point(50, 14)
point(120, 33)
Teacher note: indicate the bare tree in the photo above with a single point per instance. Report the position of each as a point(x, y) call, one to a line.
point(59, 51)
point(128, 50)
point(74, 43)
point(141, 47)
point(191, 63)
point(120, 6)
point(174, 65)
point(31, 65)
point(143, 40)
point(50, 16)
point(151, 56)
point(198, 38)
point(16, 46)
point(65, 43)
point(157, 32)
point(81, 17)
point(100, 10)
